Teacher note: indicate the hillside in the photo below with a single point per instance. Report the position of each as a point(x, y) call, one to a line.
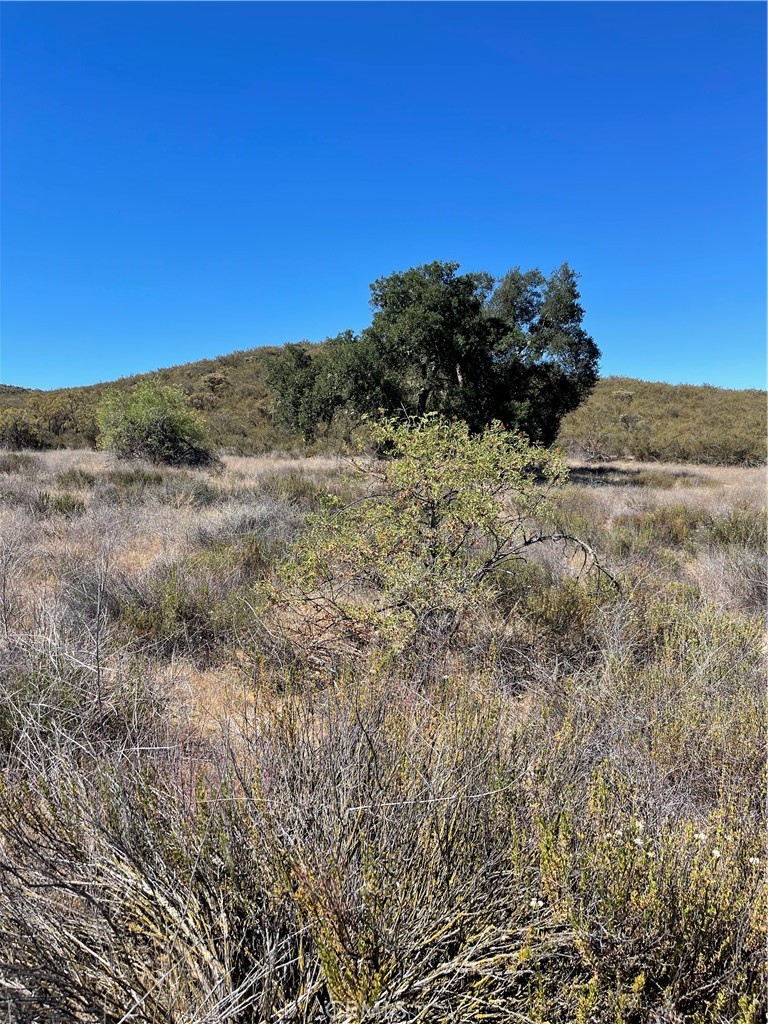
point(669, 423)
point(230, 391)
point(623, 417)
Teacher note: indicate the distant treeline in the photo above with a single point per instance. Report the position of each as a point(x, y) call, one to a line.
point(622, 418)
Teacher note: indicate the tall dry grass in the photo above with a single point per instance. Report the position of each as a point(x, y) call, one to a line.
point(557, 816)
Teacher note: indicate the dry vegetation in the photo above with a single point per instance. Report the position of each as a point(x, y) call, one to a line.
point(622, 418)
point(555, 814)
point(642, 419)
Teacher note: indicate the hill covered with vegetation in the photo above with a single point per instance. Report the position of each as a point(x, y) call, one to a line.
point(626, 418)
point(231, 391)
point(623, 418)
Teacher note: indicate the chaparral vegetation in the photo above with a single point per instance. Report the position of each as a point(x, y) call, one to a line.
point(442, 731)
point(468, 345)
point(457, 726)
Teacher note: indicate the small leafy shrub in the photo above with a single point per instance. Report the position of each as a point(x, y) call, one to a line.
point(68, 505)
point(686, 527)
point(446, 513)
point(566, 611)
point(240, 562)
point(79, 479)
point(154, 423)
point(197, 606)
point(664, 479)
point(558, 616)
point(176, 614)
point(65, 504)
point(576, 511)
point(296, 488)
point(128, 486)
point(272, 521)
point(185, 490)
point(127, 479)
point(615, 476)
point(676, 901)
point(174, 487)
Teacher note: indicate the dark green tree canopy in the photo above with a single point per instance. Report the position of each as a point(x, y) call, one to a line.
point(463, 345)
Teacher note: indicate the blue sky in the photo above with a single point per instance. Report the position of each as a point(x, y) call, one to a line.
point(182, 180)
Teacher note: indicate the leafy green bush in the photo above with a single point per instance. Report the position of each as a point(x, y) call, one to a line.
point(186, 490)
point(18, 430)
point(138, 478)
point(446, 513)
point(154, 423)
point(683, 526)
point(668, 526)
point(742, 526)
point(196, 605)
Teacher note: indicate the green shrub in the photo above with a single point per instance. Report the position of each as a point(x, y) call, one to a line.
point(179, 613)
point(447, 513)
point(668, 526)
point(128, 479)
point(686, 527)
point(577, 511)
point(66, 504)
point(154, 423)
point(294, 487)
point(197, 605)
point(80, 479)
point(185, 490)
point(18, 430)
point(177, 488)
point(566, 610)
point(128, 486)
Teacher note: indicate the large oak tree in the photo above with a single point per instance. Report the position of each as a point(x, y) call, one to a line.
point(464, 345)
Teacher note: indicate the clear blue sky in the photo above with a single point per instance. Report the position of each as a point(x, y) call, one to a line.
point(182, 180)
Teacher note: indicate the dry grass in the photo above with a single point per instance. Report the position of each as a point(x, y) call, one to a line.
point(557, 816)
point(252, 468)
point(708, 487)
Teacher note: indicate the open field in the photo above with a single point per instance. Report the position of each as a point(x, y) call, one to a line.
point(555, 814)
